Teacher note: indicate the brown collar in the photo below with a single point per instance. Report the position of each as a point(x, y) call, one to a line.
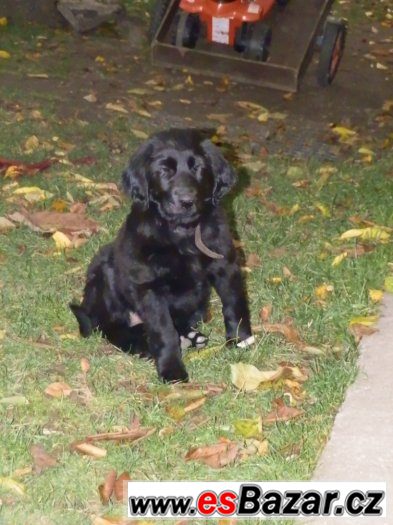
point(202, 246)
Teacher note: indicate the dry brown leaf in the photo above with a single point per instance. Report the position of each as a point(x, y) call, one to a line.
point(265, 313)
point(58, 389)
point(6, 225)
point(360, 330)
point(253, 260)
point(68, 223)
point(120, 489)
point(85, 365)
point(42, 460)
point(282, 412)
point(106, 489)
point(215, 456)
point(88, 449)
point(132, 435)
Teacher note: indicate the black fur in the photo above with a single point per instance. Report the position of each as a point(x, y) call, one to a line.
point(153, 267)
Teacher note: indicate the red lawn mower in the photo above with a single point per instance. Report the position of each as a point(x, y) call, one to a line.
point(246, 27)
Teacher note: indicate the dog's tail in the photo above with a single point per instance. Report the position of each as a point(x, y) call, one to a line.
point(85, 322)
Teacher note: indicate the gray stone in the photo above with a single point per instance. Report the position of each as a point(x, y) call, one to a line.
point(84, 15)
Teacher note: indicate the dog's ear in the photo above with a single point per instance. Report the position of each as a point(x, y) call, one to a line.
point(134, 178)
point(224, 175)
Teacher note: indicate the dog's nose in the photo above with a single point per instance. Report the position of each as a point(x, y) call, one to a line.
point(187, 202)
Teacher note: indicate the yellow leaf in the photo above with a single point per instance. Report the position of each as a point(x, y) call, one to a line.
point(33, 193)
point(139, 134)
point(99, 59)
point(339, 259)
point(371, 233)
point(12, 172)
point(365, 151)
point(11, 484)
point(4, 54)
point(116, 107)
point(32, 143)
point(248, 428)
point(323, 291)
point(388, 284)
point(3, 21)
point(275, 280)
point(323, 209)
point(248, 377)
point(343, 133)
point(61, 240)
point(364, 320)
point(295, 208)
point(388, 105)
point(375, 295)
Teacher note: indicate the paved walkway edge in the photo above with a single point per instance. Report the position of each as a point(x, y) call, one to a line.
point(361, 444)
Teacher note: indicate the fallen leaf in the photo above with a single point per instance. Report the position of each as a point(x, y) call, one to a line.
point(364, 320)
point(265, 313)
point(6, 225)
point(116, 107)
point(31, 144)
point(14, 401)
point(375, 295)
point(248, 428)
point(131, 435)
point(253, 260)
point(215, 456)
point(58, 389)
point(106, 489)
point(42, 460)
point(361, 330)
point(88, 449)
point(85, 365)
point(14, 486)
point(120, 488)
point(339, 259)
point(74, 224)
point(248, 377)
point(139, 134)
point(323, 291)
point(371, 233)
point(388, 283)
point(91, 97)
point(282, 412)
point(33, 193)
point(4, 54)
point(254, 447)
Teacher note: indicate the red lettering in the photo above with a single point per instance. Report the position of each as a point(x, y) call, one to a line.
point(227, 503)
point(207, 503)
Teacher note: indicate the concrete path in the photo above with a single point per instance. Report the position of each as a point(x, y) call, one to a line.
point(361, 443)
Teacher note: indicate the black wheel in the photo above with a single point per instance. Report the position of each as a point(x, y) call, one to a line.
point(242, 34)
point(157, 13)
point(187, 29)
point(332, 50)
point(258, 42)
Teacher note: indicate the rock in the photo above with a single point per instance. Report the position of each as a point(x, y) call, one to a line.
point(84, 15)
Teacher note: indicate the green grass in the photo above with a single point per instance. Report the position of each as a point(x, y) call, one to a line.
point(36, 286)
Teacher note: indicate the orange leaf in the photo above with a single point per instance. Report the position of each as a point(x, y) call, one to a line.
point(215, 456)
point(106, 489)
point(120, 488)
point(282, 412)
point(58, 389)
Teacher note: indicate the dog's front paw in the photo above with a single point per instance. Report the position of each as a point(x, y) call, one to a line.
point(172, 370)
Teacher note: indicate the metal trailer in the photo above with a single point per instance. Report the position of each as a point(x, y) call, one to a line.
point(298, 30)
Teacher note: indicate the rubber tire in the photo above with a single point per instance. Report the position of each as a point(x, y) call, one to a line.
point(187, 29)
point(157, 13)
point(258, 33)
point(241, 37)
point(334, 36)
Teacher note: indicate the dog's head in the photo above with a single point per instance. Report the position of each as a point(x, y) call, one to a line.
point(180, 173)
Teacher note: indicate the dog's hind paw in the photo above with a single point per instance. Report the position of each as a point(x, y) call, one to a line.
point(246, 342)
point(194, 339)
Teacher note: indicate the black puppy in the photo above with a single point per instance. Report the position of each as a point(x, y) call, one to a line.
point(147, 291)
